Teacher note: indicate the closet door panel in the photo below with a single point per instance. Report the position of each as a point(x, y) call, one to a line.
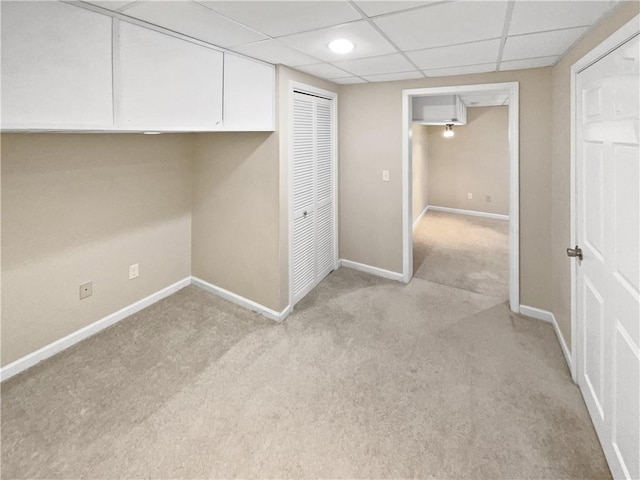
point(324, 188)
point(303, 190)
point(303, 155)
point(324, 151)
point(324, 240)
point(313, 189)
point(303, 255)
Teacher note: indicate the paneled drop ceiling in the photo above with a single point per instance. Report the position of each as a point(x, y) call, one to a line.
point(394, 40)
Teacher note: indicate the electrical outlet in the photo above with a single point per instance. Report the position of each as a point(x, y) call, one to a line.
point(385, 175)
point(488, 198)
point(469, 196)
point(86, 290)
point(134, 271)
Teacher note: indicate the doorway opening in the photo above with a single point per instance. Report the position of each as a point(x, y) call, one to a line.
point(468, 249)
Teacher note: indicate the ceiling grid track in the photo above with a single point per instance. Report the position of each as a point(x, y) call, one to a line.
point(410, 40)
point(385, 36)
point(505, 32)
point(277, 39)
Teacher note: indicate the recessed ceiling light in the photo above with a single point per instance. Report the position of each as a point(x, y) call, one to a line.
point(152, 133)
point(341, 46)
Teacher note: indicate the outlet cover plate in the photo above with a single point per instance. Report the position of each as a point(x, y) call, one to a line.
point(134, 271)
point(86, 290)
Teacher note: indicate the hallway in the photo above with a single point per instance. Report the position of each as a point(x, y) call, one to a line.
point(463, 251)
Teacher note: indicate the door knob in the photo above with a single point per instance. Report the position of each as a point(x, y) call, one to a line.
point(575, 252)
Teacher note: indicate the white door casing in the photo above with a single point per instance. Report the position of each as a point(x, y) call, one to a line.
point(607, 280)
point(313, 191)
point(512, 90)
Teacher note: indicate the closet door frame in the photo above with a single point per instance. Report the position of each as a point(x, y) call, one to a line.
point(329, 95)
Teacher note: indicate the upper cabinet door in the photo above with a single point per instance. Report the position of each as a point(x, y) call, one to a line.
point(165, 83)
point(249, 92)
point(56, 67)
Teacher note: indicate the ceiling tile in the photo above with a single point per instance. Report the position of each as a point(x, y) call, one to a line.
point(444, 24)
point(278, 18)
point(376, 65)
point(380, 8)
point(194, 20)
point(111, 4)
point(275, 52)
point(323, 70)
point(368, 42)
point(392, 77)
point(531, 17)
point(466, 70)
point(528, 63)
point(540, 44)
point(347, 80)
point(458, 55)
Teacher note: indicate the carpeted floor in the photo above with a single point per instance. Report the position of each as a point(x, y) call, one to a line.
point(368, 378)
point(477, 260)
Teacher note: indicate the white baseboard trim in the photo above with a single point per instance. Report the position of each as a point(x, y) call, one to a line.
point(422, 214)
point(47, 351)
point(372, 270)
point(475, 213)
point(241, 301)
point(537, 313)
point(547, 316)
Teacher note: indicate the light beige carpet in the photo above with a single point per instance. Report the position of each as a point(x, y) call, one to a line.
point(463, 251)
point(367, 379)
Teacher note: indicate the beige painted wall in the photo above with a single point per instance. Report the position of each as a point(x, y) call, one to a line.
point(420, 167)
point(475, 160)
point(371, 140)
point(285, 76)
point(240, 206)
point(84, 207)
point(561, 163)
point(235, 214)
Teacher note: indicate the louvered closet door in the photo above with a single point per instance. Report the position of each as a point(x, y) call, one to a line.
point(313, 192)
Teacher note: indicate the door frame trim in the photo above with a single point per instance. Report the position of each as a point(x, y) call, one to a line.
point(333, 96)
point(514, 177)
point(622, 35)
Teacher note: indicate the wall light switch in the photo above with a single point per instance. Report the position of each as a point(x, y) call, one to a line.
point(469, 195)
point(385, 175)
point(134, 271)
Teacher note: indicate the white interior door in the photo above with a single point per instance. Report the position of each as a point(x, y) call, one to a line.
point(313, 192)
point(608, 277)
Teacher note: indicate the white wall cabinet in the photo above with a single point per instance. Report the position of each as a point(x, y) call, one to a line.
point(68, 68)
point(439, 110)
point(248, 94)
point(164, 83)
point(56, 67)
